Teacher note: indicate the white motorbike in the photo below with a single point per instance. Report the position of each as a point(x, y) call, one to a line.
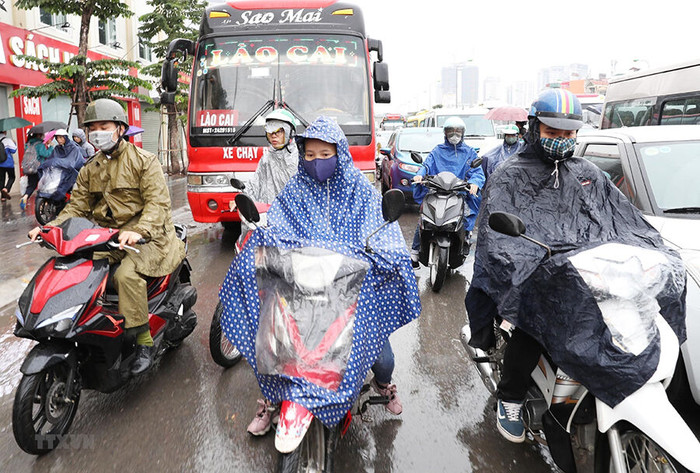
point(643, 433)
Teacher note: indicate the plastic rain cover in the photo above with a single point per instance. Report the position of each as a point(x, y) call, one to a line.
point(308, 298)
point(548, 298)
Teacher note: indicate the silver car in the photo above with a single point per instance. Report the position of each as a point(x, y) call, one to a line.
point(658, 169)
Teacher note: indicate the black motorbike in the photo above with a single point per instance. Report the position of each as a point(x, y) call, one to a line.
point(70, 308)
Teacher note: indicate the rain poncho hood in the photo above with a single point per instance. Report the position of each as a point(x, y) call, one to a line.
point(338, 214)
point(68, 159)
point(274, 170)
point(456, 159)
point(494, 157)
point(546, 297)
point(86, 148)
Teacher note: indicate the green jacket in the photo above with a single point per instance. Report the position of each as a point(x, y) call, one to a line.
point(128, 192)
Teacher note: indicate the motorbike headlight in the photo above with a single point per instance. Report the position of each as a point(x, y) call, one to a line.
point(61, 321)
point(18, 315)
point(691, 258)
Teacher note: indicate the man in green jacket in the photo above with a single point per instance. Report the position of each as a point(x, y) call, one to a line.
point(123, 187)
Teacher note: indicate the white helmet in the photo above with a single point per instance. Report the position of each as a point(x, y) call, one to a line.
point(454, 129)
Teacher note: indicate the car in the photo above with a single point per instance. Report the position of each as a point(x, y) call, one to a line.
point(657, 168)
point(480, 133)
point(403, 156)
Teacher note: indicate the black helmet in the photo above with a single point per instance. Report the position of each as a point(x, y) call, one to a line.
point(105, 110)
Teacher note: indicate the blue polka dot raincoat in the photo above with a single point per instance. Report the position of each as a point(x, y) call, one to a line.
point(338, 215)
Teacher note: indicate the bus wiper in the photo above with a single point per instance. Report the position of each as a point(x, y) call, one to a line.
point(246, 126)
point(683, 210)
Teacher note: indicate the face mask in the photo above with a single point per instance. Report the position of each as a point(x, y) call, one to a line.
point(558, 148)
point(102, 140)
point(320, 169)
point(511, 139)
point(454, 139)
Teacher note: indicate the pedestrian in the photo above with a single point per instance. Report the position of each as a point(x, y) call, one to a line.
point(7, 165)
point(456, 157)
point(35, 153)
point(123, 187)
point(511, 145)
point(329, 201)
point(569, 204)
point(87, 149)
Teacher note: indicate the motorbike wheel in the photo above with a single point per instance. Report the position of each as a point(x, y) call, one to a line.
point(40, 415)
point(438, 266)
point(641, 454)
point(310, 455)
point(222, 350)
point(46, 210)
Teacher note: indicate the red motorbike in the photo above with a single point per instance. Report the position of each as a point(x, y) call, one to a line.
point(70, 309)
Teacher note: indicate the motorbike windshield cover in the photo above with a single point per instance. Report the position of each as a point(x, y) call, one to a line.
point(549, 298)
point(338, 216)
point(308, 298)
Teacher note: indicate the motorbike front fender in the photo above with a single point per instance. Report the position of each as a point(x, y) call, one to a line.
point(44, 356)
point(650, 411)
point(294, 421)
point(443, 241)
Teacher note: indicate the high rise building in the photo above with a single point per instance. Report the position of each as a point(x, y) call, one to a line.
point(460, 85)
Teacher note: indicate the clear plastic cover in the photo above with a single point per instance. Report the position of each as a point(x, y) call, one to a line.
point(625, 281)
point(308, 298)
point(50, 180)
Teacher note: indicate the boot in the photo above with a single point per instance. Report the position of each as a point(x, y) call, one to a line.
point(143, 359)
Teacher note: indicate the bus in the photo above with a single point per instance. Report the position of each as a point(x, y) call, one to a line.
point(311, 57)
point(392, 121)
point(662, 96)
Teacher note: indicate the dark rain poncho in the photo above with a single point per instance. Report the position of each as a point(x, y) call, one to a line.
point(338, 215)
point(546, 297)
point(58, 173)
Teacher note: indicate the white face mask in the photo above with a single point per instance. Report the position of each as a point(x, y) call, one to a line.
point(454, 139)
point(102, 140)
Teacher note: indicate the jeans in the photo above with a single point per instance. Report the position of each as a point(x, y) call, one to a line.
point(383, 368)
point(521, 357)
point(32, 183)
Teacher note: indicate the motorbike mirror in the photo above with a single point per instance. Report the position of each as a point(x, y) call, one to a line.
point(476, 163)
point(506, 223)
point(237, 183)
point(392, 205)
point(385, 151)
point(415, 156)
point(247, 208)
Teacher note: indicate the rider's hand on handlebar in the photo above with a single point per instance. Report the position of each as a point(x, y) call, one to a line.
point(34, 233)
point(127, 237)
point(473, 189)
point(417, 179)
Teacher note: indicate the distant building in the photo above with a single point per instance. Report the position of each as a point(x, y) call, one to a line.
point(552, 75)
point(460, 85)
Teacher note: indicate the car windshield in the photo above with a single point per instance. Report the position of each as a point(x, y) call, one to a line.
point(420, 142)
point(672, 170)
point(316, 75)
point(476, 124)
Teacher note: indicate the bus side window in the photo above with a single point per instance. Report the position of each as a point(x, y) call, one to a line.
point(681, 112)
point(607, 158)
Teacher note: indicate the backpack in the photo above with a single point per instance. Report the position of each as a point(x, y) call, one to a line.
point(30, 161)
point(3, 153)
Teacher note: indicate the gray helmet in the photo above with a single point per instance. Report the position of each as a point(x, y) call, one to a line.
point(105, 110)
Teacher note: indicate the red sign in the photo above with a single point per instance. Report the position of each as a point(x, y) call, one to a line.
point(217, 118)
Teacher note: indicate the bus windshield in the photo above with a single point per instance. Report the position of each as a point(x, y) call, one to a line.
point(316, 74)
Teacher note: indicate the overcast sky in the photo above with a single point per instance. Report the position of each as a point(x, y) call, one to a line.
point(513, 39)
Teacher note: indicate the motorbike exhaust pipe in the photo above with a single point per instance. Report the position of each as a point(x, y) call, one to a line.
point(484, 362)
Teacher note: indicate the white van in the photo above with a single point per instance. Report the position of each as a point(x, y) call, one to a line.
point(480, 133)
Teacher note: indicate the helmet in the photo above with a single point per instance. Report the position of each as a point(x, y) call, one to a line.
point(510, 130)
point(282, 115)
point(60, 132)
point(558, 108)
point(105, 110)
point(454, 122)
point(281, 118)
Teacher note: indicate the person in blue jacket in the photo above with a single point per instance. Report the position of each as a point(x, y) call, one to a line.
point(511, 146)
point(7, 166)
point(456, 157)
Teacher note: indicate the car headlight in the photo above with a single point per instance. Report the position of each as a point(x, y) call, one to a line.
point(409, 167)
point(691, 258)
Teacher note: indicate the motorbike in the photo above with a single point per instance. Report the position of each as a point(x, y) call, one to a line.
point(70, 308)
point(442, 235)
point(49, 201)
point(308, 298)
point(643, 432)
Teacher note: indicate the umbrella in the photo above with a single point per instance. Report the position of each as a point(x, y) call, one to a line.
point(11, 123)
point(507, 114)
point(49, 136)
point(133, 130)
point(44, 127)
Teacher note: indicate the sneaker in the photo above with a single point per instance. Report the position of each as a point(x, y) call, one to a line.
point(260, 425)
point(414, 258)
point(394, 406)
point(509, 421)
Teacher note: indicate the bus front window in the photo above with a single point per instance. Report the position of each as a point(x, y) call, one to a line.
point(236, 76)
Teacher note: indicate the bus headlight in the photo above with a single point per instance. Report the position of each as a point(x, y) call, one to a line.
point(194, 180)
point(218, 180)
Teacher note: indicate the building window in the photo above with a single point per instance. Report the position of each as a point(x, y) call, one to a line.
point(52, 19)
point(107, 31)
point(144, 51)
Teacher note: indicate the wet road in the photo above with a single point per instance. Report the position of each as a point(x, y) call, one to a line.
point(188, 414)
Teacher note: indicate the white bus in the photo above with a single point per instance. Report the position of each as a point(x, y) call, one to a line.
point(660, 96)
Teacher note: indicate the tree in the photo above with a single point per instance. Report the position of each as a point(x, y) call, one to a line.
point(73, 77)
point(171, 19)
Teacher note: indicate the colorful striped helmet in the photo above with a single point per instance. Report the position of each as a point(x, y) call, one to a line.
point(559, 109)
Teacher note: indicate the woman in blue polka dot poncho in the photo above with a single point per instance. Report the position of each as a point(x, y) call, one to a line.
point(328, 204)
